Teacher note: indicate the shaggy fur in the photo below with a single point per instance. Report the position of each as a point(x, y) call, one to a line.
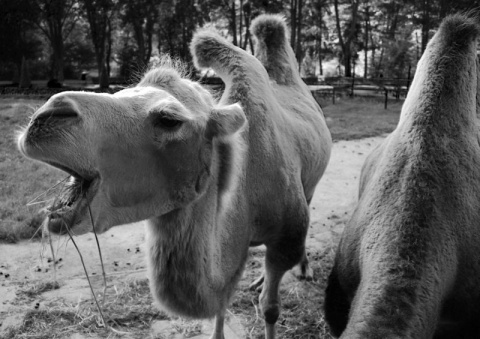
point(407, 264)
point(210, 178)
point(270, 36)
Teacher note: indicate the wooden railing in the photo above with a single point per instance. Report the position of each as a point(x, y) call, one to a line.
point(321, 88)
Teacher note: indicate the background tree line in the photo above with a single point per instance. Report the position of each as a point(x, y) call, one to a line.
point(61, 38)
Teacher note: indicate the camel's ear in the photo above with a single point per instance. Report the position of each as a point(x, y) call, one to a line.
point(225, 120)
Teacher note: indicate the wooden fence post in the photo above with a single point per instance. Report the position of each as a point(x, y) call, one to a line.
point(386, 98)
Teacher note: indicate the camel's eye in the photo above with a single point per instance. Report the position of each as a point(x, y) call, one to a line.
point(168, 122)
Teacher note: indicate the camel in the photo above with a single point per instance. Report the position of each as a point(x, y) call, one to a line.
point(407, 265)
point(210, 178)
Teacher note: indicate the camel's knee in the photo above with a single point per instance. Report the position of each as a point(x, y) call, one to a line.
point(271, 314)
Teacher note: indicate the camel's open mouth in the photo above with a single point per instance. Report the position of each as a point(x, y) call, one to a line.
point(69, 207)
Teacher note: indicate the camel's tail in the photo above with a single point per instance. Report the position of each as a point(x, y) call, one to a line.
point(273, 49)
point(445, 83)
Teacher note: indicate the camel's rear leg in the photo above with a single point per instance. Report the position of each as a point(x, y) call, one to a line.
point(302, 270)
point(281, 256)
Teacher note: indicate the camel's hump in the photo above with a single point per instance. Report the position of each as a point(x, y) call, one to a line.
point(271, 29)
point(207, 47)
point(444, 86)
point(459, 29)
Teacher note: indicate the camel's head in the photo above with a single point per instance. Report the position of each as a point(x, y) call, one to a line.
point(133, 155)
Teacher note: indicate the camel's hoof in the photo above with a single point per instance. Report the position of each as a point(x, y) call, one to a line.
point(303, 272)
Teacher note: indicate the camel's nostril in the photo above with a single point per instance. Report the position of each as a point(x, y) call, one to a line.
point(58, 113)
point(50, 115)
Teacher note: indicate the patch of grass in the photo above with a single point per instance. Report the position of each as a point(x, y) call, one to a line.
point(36, 289)
point(129, 310)
point(40, 324)
point(132, 305)
point(357, 118)
point(21, 179)
point(188, 328)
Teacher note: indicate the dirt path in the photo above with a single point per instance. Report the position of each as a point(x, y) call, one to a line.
point(24, 264)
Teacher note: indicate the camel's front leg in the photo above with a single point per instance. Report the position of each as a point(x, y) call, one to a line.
point(218, 329)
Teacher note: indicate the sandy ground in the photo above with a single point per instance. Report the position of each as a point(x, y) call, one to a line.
point(123, 247)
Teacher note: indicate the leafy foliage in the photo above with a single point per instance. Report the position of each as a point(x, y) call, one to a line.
point(18, 37)
point(120, 37)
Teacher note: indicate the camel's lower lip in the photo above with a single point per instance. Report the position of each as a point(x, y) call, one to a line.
point(67, 210)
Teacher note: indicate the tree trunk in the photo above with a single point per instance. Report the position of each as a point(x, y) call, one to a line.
point(25, 81)
point(240, 42)
point(319, 41)
point(339, 31)
point(56, 19)
point(347, 62)
point(103, 78)
point(417, 50)
point(367, 24)
point(425, 24)
point(58, 60)
point(293, 23)
point(148, 52)
point(374, 49)
point(108, 53)
point(152, 18)
point(393, 26)
point(233, 22)
point(351, 36)
point(347, 45)
point(443, 8)
point(184, 37)
point(380, 61)
point(98, 18)
point(56, 38)
point(298, 49)
point(140, 40)
point(247, 12)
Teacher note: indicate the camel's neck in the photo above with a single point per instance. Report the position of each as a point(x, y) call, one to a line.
point(187, 235)
point(199, 250)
